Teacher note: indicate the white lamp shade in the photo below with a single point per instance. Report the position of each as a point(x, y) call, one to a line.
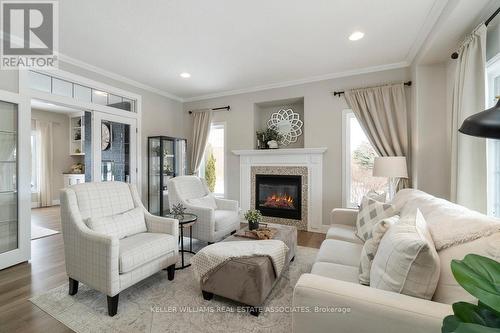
point(390, 166)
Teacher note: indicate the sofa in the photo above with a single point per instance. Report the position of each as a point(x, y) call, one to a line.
point(217, 217)
point(333, 282)
point(105, 260)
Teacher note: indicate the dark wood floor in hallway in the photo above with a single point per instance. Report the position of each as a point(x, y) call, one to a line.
point(45, 271)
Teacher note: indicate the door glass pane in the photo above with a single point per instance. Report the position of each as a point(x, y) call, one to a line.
point(115, 155)
point(83, 94)
point(8, 177)
point(99, 97)
point(62, 88)
point(40, 82)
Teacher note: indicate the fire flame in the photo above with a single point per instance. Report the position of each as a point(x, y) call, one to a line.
point(284, 201)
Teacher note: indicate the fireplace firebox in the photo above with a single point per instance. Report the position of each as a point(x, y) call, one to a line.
point(279, 196)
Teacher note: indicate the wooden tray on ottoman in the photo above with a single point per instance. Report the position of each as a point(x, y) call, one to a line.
point(254, 234)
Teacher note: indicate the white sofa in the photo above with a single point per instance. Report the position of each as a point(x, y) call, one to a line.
point(212, 224)
point(105, 262)
point(333, 281)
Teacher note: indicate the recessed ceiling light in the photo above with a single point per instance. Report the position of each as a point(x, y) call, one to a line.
point(185, 75)
point(356, 35)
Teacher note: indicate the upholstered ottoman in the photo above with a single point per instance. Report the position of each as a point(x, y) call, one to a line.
point(249, 280)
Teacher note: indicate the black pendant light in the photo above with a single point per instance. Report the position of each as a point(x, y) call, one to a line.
point(484, 124)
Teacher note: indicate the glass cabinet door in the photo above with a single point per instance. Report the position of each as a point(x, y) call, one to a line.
point(8, 177)
point(154, 175)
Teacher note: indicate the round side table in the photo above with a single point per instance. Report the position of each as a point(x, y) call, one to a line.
point(186, 220)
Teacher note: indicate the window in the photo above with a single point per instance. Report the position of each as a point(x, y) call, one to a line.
point(358, 158)
point(53, 85)
point(493, 146)
point(34, 163)
point(213, 165)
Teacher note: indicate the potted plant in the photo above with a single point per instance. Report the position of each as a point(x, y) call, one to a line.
point(253, 217)
point(268, 138)
point(480, 277)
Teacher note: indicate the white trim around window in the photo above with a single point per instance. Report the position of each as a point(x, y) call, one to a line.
point(347, 115)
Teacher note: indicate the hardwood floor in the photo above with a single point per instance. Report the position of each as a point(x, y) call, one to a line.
point(45, 271)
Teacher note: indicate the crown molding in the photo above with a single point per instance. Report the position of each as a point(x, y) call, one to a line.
point(311, 79)
point(117, 77)
point(426, 29)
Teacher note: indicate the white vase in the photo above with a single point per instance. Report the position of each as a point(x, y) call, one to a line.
point(272, 144)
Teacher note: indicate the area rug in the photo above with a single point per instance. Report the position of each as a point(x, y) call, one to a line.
point(40, 232)
point(159, 305)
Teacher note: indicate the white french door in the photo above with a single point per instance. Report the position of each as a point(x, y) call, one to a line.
point(114, 148)
point(14, 185)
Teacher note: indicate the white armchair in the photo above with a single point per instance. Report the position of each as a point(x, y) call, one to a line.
point(102, 261)
point(213, 222)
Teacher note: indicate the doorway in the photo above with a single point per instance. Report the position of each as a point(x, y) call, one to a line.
point(71, 146)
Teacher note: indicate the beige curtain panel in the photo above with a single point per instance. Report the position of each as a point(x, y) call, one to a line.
point(45, 157)
point(382, 113)
point(468, 154)
point(201, 130)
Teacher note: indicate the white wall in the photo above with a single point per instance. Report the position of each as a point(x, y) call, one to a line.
point(431, 130)
point(322, 121)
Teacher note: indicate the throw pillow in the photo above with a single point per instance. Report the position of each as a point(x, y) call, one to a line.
point(370, 213)
point(406, 261)
point(121, 225)
point(208, 201)
point(380, 197)
point(371, 246)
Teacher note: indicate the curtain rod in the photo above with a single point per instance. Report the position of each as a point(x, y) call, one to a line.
point(338, 93)
point(227, 108)
point(454, 55)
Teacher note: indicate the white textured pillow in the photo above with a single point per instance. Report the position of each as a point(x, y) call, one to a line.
point(121, 225)
point(371, 246)
point(406, 261)
point(380, 197)
point(208, 201)
point(370, 213)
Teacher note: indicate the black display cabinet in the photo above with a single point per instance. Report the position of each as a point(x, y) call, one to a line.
point(166, 159)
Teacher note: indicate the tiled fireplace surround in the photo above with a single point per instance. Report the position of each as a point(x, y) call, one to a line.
point(304, 162)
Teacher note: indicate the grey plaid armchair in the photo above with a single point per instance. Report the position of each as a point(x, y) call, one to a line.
point(213, 223)
point(105, 262)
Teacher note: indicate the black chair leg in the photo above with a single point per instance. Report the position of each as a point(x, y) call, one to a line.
point(73, 287)
point(171, 272)
point(207, 296)
point(255, 311)
point(233, 232)
point(113, 305)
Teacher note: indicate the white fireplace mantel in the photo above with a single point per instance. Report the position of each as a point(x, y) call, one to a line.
point(312, 158)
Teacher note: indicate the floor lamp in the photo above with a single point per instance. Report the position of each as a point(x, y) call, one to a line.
point(392, 167)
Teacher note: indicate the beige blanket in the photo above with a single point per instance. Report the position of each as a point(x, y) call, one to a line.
point(450, 224)
point(211, 257)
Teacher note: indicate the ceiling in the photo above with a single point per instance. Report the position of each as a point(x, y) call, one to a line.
point(231, 45)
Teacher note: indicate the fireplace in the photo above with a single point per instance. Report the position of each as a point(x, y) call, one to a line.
point(279, 196)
